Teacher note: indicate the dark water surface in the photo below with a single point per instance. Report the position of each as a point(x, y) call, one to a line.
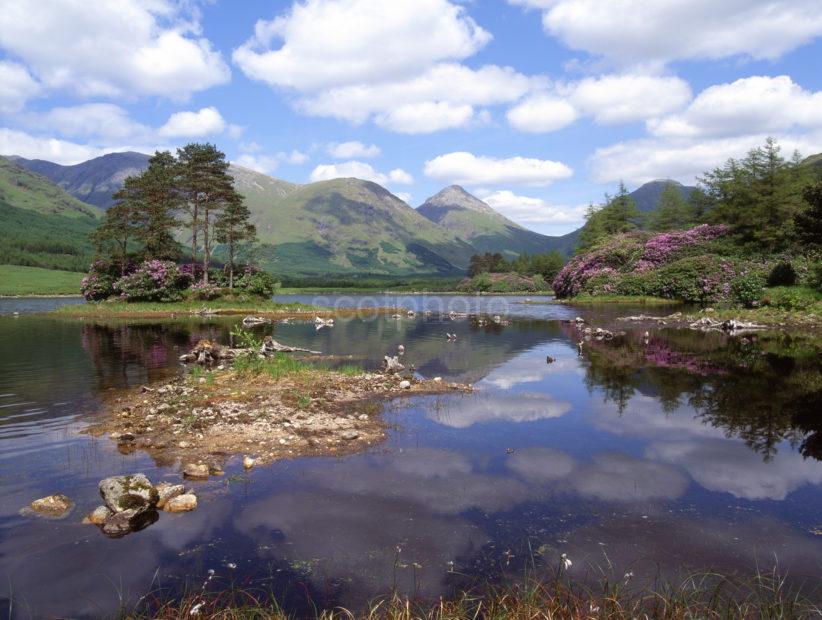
point(691, 451)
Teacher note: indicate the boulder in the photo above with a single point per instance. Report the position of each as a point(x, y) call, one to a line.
point(126, 521)
point(99, 515)
point(167, 492)
point(196, 470)
point(391, 365)
point(182, 503)
point(121, 493)
point(56, 506)
point(405, 385)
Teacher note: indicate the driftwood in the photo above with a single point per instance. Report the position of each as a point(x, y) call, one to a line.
point(251, 321)
point(270, 346)
point(392, 365)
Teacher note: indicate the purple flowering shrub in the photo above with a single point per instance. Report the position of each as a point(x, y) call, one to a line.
point(102, 274)
point(205, 291)
point(154, 280)
point(674, 265)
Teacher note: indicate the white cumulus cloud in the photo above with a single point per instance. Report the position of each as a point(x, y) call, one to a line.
point(639, 32)
point(16, 86)
point(359, 170)
point(113, 48)
point(530, 210)
point(466, 168)
point(205, 122)
point(352, 149)
point(396, 63)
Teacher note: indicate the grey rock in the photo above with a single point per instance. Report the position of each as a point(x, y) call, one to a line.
point(122, 493)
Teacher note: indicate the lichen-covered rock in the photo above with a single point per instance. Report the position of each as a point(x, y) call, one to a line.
point(134, 519)
point(55, 506)
point(167, 492)
point(182, 503)
point(122, 493)
point(99, 515)
point(196, 470)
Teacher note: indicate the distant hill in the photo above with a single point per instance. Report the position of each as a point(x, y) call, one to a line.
point(469, 218)
point(93, 181)
point(42, 225)
point(647, 196)
point(815, 163)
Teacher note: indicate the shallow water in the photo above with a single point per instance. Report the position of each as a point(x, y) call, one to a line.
point(692, 451)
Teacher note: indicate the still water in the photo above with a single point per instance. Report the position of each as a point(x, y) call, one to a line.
point(691, 451)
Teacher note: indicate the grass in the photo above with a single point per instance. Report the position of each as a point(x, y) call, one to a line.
point(619, 299)
point(166, 309)
point(283, 365)
point(19, 280)
point(702, 595)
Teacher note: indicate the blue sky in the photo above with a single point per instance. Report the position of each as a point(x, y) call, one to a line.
point(537, 106)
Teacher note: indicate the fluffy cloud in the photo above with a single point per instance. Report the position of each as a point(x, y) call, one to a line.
point(205, 122)
point(101, 121)
point(16, 86)
point(542, 113)
point(624, 478)
point(770, 104)
point(640, 161)
point(267, 164)
point(359, 170)
point(349, 150)
point(635, 31)
point(608, 99)
point(724, 120)
point(491, 407)
point(326, 58)
point(120, 48)
point(468, 169)
point(531, 210)
point(15, 142)
point(331, 44)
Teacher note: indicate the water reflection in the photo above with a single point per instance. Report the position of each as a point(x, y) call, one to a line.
point(695, 451)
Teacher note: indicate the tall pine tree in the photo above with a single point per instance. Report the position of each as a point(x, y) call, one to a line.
point(232, 228)
point(158, 201)
point(118, 228)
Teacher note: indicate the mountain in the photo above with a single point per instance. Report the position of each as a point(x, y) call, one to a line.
point(344, 226)
point(93, 181)
point(23, 189)
point(469, 218)
point(41, 224)
point(647, 196)
point(814, 162)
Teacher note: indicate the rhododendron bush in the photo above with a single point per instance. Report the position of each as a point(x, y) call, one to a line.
point(154, 280)
point(683, 265)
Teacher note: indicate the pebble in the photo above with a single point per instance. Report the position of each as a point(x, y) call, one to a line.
point(248, 462)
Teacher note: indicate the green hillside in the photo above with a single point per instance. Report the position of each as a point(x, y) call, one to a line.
point(21, 188)
point(344, 226)
point(42, 225)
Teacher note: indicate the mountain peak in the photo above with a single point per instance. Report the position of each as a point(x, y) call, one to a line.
point(455, 197)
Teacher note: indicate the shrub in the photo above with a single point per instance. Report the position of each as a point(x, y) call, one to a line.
point(99, 283)
point(783, 274)
point(205, 291)
point(747, 289)
point(815, 276)
point(256, 282)
point(701, 279)
point(154, 280)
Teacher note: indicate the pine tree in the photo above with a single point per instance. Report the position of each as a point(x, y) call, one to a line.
point(619, 212)
point(118, 228)
point(207, 188)
point(672, 212)
point(809, 220)
point(158, 199)
point(232, 228)
point(592, 231)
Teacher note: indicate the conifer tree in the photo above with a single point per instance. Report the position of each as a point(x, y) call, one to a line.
point(672, 212)
point(157, 201)
point(232, 228)
point(118, 228)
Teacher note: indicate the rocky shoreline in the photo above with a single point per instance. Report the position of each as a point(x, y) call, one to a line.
point(201, 419)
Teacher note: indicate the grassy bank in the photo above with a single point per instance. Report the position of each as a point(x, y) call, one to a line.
point(639, 300)
point(16, 280)
point(708, 596)
point(262, 307)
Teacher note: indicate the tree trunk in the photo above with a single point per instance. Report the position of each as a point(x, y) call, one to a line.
point(194, 222)
point(205, 245)
point(231, 265)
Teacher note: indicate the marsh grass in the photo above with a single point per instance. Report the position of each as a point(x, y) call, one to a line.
point(706, 595)
point(188, 306)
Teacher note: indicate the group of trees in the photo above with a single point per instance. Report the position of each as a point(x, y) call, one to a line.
point(192, 192)
point(547, 264)
point(770, 204)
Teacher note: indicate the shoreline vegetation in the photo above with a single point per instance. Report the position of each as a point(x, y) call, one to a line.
point(541, 594)
point(21, 281)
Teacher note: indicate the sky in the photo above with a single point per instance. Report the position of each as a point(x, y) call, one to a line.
point(539, 107)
